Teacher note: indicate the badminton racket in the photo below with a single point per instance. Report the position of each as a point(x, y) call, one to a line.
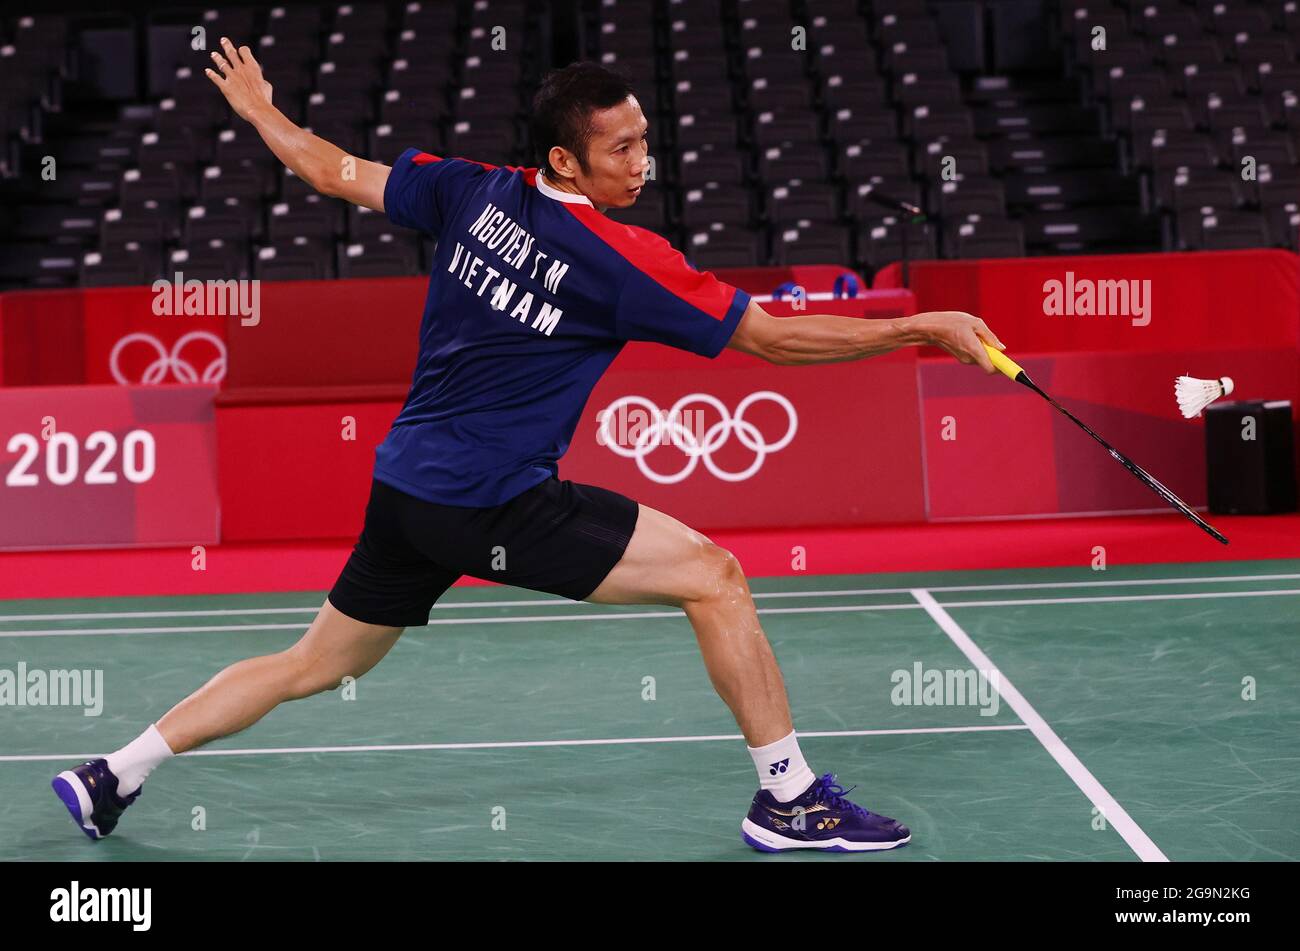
point(1013, 371)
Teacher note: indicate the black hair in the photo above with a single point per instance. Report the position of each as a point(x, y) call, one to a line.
point(563, 106)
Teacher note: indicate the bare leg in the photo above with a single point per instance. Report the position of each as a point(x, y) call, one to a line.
point(667, 562)
point(334, 647)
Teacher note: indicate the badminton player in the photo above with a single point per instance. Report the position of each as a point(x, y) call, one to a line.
point(532, 294)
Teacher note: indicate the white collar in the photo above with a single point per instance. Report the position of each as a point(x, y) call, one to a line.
point(550, 191)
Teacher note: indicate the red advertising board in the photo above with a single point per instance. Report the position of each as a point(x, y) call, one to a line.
point(1217, 300)
point(126, 342)
point(738, 443)
point(995, 450)
point(107, 465)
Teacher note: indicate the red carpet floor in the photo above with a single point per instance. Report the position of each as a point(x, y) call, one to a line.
point(313, 566)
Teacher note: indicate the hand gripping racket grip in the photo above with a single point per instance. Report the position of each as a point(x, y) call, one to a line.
point(1005, 365)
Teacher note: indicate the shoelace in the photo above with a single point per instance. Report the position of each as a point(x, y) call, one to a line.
point(828, 791)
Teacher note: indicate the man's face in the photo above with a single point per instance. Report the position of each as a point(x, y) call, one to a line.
point(616, 157)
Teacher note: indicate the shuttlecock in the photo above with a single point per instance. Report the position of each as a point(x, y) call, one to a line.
point(1194, 395)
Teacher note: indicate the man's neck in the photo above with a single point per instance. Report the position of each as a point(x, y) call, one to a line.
point(564, 185)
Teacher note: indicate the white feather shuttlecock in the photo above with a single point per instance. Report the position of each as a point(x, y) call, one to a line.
point(1194, 395)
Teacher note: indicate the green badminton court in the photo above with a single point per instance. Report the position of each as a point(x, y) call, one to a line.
point(1140, 713)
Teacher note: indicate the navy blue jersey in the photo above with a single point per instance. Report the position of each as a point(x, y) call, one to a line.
point(533, 293)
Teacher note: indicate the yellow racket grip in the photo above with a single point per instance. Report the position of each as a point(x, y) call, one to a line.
point(1004, 363)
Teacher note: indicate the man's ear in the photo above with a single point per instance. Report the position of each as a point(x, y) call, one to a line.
point(562, 161)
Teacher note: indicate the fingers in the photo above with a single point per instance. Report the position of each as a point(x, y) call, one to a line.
point(975, 347)
point(983, 330)
point(243, 56)
point(231, 53)
point(231, 61)
point(966, 336)
point(233, 58)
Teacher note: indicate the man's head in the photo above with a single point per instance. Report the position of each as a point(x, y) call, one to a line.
point(590, 134)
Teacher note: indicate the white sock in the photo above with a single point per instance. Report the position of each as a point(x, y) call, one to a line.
point(782, 770)
point(135, 761)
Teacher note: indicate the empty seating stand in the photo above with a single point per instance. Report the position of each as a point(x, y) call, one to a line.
point(782, 131)
point(169, 179)
point(1202, 103)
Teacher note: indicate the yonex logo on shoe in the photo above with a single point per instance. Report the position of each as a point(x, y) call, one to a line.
point(777, 769)
point(103, 904)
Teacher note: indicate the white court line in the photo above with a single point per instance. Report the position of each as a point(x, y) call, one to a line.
point(189, 629)
point(544, 602)
point(518, 619)
point(1209, 579)
point(95, 615)
point(1113, 812)
point(621, 741)
point(1111, 599)
point(641, 615)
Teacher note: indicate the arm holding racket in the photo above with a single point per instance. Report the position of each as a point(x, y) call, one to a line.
point(319, 163)
point(827, 338)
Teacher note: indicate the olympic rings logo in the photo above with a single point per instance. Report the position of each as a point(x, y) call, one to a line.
point(182, 370)
point(667, 427)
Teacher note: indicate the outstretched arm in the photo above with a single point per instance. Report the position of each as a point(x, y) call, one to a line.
point(826, 338)
point(322, 165)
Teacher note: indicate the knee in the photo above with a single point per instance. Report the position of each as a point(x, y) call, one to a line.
point(717, 575)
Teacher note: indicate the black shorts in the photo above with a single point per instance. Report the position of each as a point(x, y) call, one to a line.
point(559, 537)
